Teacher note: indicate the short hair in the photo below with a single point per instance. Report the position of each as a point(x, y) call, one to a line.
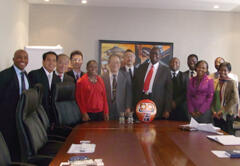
point(226, 64)
point(62, 55)
point(91, 61)
point(192, 55)
point(76, 52)
point(44, 56)
point(156, 48)
point(128, 50)
point(113, 55)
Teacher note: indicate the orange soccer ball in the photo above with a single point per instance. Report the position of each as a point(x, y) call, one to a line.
point(146, 110)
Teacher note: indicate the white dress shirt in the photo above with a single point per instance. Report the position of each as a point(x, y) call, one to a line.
point(176, 73)
point(155, 66)
point(62, 75)
point(194, 73)
point(132, 69)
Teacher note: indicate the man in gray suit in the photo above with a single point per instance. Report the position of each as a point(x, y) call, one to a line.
point(153, 81)
point(61, 68)
point(118, 88)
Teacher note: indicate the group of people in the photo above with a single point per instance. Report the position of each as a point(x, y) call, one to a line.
point(178, 95)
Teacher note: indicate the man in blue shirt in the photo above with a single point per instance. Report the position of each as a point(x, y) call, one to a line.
point(13, 81)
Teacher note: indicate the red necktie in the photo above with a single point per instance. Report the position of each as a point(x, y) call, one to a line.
point(148, 79)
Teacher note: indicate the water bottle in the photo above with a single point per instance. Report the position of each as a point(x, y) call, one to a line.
point(130, 118)
point(121, 118)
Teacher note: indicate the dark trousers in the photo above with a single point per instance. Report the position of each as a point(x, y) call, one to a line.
point(113, 112)
point(227, 125)
point(99, 116)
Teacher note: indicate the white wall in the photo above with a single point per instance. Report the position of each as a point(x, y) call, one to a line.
point(208, 34)
point(14, 16)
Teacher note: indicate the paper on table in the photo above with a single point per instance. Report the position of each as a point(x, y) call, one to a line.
point(225, 139)
point(220, 153)
point(208, 127)
point(82, 148)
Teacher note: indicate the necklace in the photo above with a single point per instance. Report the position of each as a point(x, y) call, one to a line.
point(92, 80)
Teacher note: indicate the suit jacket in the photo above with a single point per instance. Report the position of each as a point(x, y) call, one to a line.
point(123, 92)
point(71, 73)
point(229, 95)
point(124, 69)
point(161, 90)
point(39, 76)
point(9, 90)
point(66, 78)
point(179, 85)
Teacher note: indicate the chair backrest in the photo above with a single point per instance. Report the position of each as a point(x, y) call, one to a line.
point(29, 124)
point(41, 111)
point(65, 105)
point(5, 158)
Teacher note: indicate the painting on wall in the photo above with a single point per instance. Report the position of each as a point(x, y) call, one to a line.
point(141, 50)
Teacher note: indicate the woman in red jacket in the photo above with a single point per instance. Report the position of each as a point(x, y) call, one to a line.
point(91, 94)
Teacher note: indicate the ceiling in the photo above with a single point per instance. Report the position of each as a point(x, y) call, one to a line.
point(199, 5)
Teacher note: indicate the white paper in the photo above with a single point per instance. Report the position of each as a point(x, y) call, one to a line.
point(82, 148)
point(220, 153)
point(208, 127)
point(225, 139)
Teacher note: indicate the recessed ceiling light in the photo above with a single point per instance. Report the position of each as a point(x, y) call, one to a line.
point(84, 1)
point(216, 7)
point(46, 0)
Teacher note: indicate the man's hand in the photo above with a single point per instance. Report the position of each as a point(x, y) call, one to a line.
point(166, 115)
point(173, 105)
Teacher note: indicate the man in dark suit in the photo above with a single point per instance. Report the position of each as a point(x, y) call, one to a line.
point(179, 81)
point(129, 60)
point(153, 81)
point(118, 88)
point(47, 77)
point(76, 58)
point(12, 82)
point(191, 61)
point(62, 65)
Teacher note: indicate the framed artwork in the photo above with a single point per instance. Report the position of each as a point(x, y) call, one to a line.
point(140, 48)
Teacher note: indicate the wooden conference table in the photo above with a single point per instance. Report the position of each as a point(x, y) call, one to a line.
point(155, 144)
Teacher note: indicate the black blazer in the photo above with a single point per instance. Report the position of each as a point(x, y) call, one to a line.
point(70, 73)
point(9, 90)
point(39, 76)
point(161, 91)
point(179, 85)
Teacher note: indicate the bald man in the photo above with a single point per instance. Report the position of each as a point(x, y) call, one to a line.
point(13, 81)
point(179, 81)
point(217, 63)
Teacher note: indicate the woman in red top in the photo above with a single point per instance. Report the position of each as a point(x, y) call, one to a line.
point(91, 94)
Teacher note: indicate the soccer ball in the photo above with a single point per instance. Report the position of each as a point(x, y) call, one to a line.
point(146, 110)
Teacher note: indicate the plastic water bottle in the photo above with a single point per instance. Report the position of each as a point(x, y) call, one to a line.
point(130, 118)
point(121, 118)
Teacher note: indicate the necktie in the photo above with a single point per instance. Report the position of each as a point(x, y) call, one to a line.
point(49, 80)
point(174, 74)
point(23, 82)
point(77, 76)
point(192, 73)
point(147, 80)
point(114, 88)
point(60, 76)
point(130, 72)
